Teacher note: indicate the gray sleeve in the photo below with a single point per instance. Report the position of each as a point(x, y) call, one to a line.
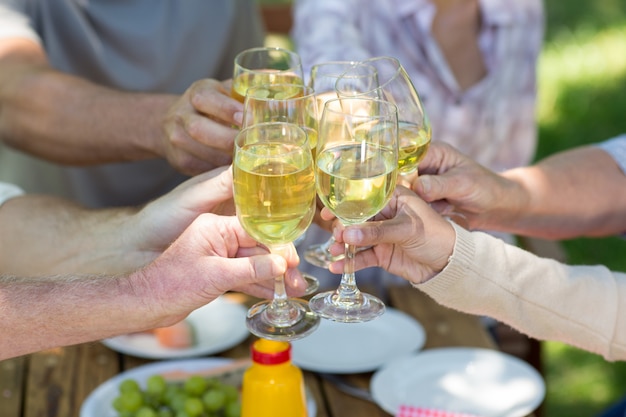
point(15, 22)
point(8, 191)
point(616, 147)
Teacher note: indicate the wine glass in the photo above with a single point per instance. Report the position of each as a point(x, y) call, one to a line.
point(395, 86)
point(356, 173)
point(274, 193)
point(290, 103)
point(265, 65)
point(323, 78)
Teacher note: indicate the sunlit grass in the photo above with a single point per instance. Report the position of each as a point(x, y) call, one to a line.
point(582, 99)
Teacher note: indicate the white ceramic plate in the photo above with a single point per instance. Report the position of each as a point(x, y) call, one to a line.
point(218, 326)
point(342, 348)
point(481, 382)
point(98, 403)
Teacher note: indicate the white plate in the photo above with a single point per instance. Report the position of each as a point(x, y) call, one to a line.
point(98, 403)
point(218, 326)
point(481, 382)
point(342, 348)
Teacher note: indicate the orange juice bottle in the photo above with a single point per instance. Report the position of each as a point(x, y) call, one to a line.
point(272, 386)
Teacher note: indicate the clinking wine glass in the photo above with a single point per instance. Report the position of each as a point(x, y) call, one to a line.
point(395, 86)
point(274, 195)
point(290, 103)
point(265, 65)
point(322, 79)
point(357, 170)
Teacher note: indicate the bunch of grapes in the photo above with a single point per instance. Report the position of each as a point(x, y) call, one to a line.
point(194, 397)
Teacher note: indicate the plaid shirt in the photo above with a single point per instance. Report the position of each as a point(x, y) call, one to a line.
point(493, 121)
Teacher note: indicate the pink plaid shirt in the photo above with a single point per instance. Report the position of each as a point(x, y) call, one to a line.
point(494, 120)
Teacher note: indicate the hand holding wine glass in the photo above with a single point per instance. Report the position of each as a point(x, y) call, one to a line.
point(357, 170)
point(274, 193)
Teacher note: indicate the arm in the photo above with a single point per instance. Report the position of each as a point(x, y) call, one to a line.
point(213, 255)
point(578, 192)
point(476, 273)
point(45, 234)
point(66, 119)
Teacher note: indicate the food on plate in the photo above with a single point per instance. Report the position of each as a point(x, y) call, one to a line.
point(180, 393)
point(178, 336)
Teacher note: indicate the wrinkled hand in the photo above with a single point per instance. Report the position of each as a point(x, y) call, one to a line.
point(212, 256)
point(199, 127)
point(454, 184)
point(407, 238)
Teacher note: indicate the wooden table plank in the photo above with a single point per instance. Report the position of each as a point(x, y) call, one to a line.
point(12, 372)
point(444, 327)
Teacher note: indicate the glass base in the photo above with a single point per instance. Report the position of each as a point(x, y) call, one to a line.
point(318, 255)
point(262, 321)
point(312, 284)
point(328, 306)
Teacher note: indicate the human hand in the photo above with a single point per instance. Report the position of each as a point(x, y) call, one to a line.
point(212, 256)
point(407, 238)
point(455, 185)
point(161, 221)
point(199, 133)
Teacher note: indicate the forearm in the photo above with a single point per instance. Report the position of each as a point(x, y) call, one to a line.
point(581, 305)
point(574, 193)
point(66, 119)
point(41, 313)
point(49, 235)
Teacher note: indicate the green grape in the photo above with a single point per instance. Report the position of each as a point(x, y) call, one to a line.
point(129, 385)
point(232, 393)
point(195, 385)
point(177, 403)
point(232, 409)
point(194, 406)
point(146, 412)
point(182, 413)
point(214, 399)
point(165, 412)
point(156, 385)
point(118, 403)
point(131, 401)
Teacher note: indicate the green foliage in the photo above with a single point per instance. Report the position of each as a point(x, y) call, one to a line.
point(582, 100)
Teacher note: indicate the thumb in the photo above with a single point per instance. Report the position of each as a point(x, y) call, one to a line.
point(255, 269)
point(431, 187)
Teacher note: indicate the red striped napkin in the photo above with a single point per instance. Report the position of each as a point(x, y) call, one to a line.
point(409, 411)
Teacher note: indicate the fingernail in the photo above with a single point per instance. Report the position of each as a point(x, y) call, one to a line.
point(238, 117)
point(425, 182)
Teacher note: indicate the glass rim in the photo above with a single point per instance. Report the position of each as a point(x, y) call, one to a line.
point(259, 49)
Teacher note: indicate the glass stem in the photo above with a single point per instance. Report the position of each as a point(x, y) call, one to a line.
point(348, 292)
point(281, 311)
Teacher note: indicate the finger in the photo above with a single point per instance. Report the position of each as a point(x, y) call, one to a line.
point(212, 98)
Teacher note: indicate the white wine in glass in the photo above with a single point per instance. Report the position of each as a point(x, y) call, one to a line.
point(322, 79)
point(290, 103)
point(395, 86)
point(265, 65)
point(274, 193)
point(357, 170)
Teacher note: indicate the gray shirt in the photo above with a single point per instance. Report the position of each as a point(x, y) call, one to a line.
point(132, 45)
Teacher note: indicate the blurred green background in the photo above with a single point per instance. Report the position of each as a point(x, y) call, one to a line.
point(582, 100)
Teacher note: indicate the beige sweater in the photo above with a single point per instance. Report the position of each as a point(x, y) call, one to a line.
point(584, 306)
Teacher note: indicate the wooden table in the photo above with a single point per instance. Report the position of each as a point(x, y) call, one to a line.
point(54, 383)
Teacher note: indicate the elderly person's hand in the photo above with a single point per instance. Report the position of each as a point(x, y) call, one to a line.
point(198, 127)
point(407, 238)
